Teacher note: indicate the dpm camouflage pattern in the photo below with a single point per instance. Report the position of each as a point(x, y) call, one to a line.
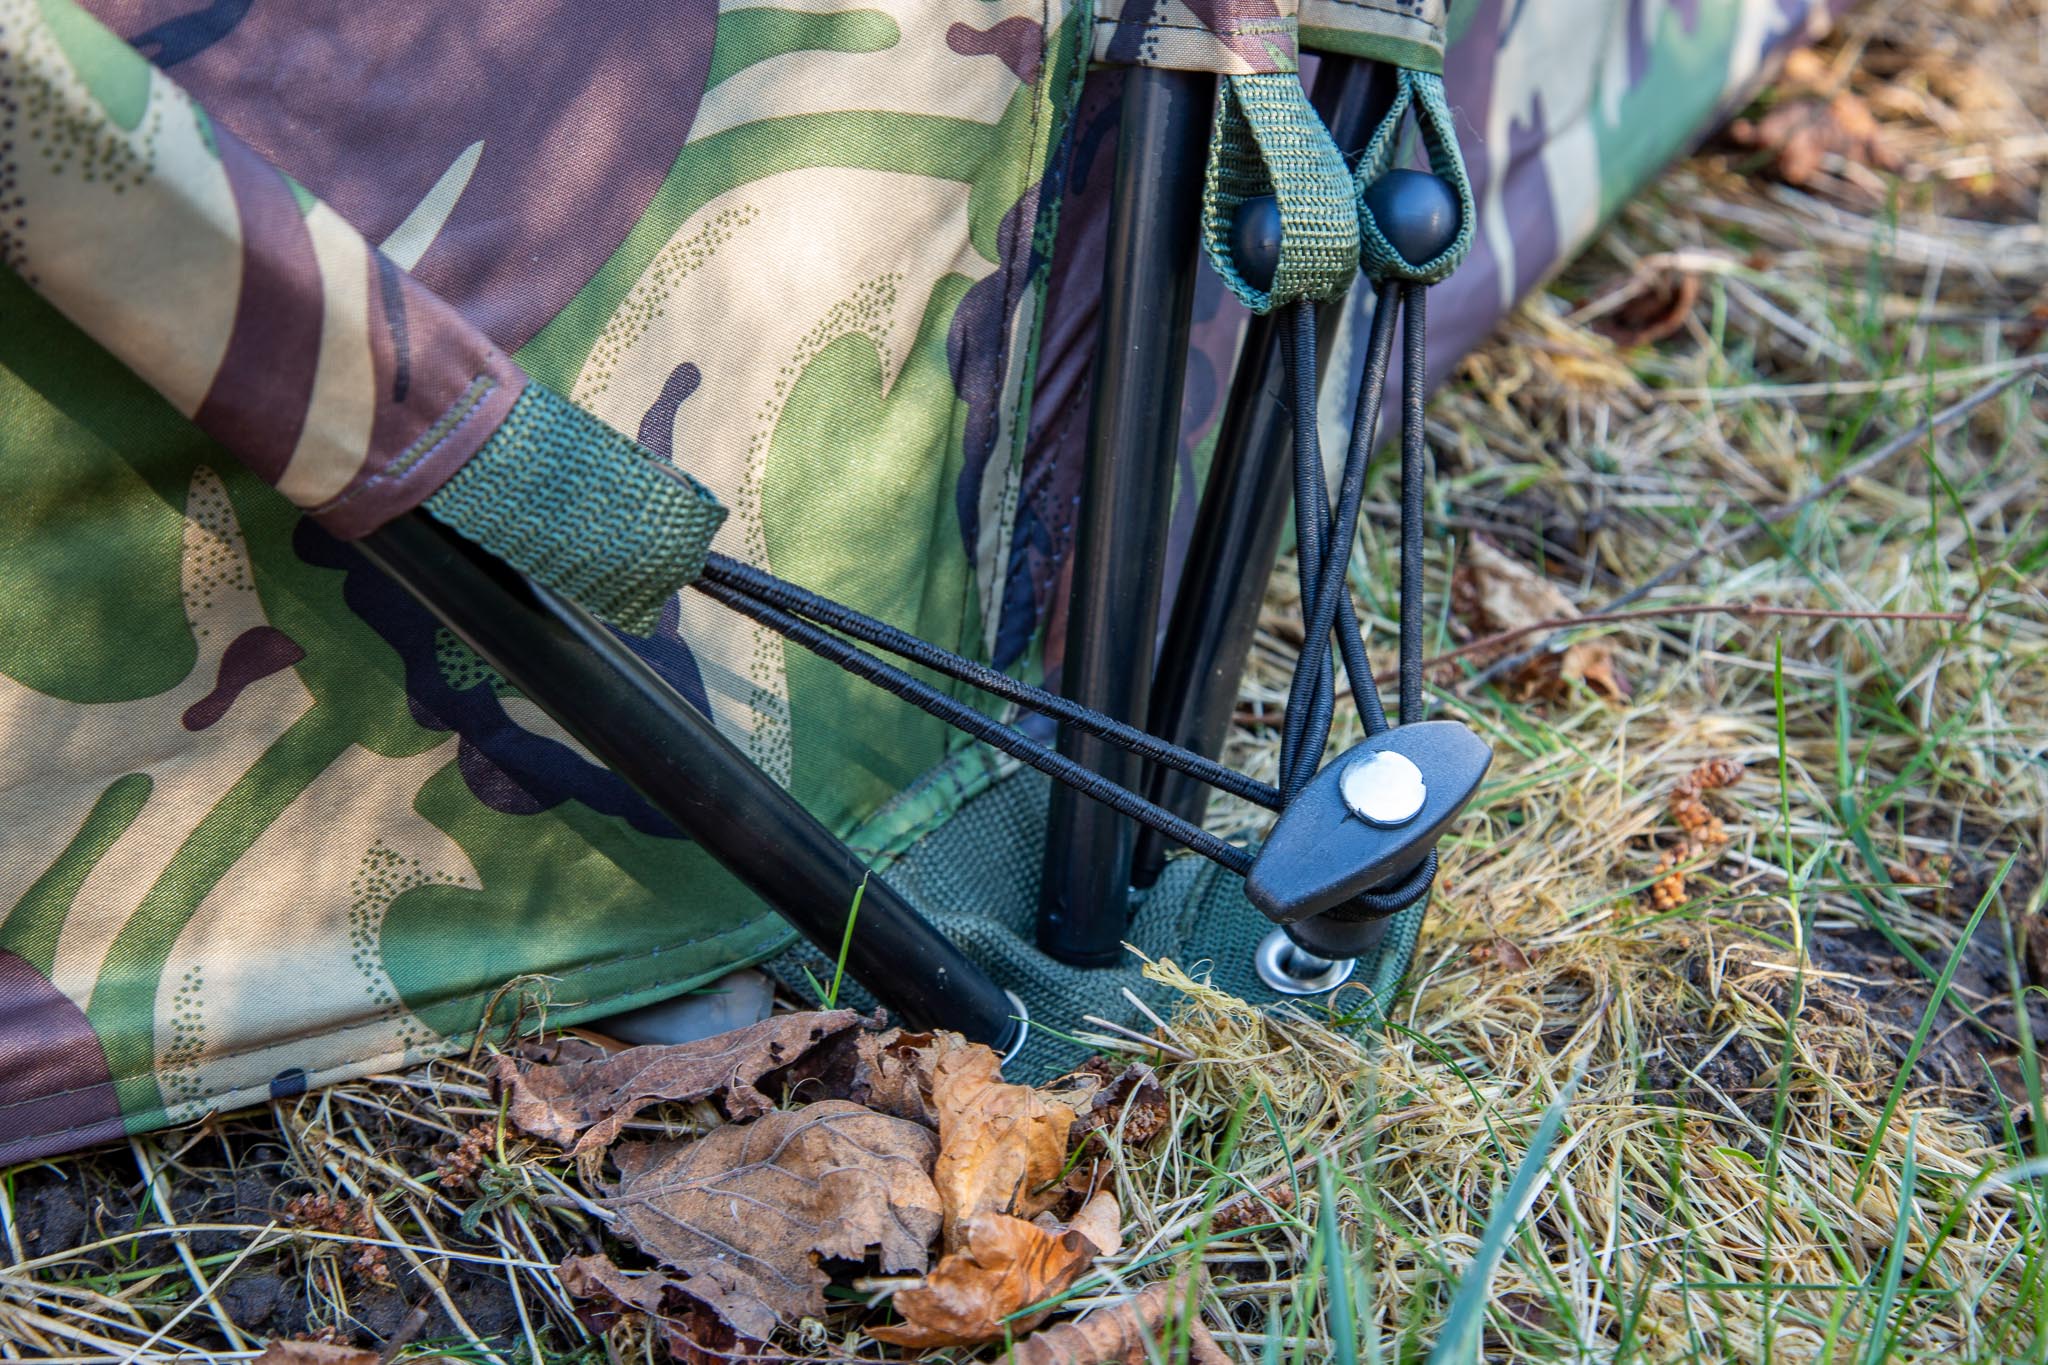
point(263, 824)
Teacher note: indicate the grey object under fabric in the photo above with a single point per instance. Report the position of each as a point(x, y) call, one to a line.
point(976, 879)
point(731, 1002)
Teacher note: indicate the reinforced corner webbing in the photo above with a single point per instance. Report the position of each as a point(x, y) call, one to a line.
point(582, 510)
point(1267, 140)
point(1423, 92)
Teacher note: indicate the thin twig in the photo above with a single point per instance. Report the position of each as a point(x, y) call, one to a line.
point(1155, 1044)
point(1849, 473)
point(1904, 383)
point(415, 1322)
point(1744, 609)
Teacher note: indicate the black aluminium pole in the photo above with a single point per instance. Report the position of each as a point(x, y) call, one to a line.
point(1148, 292)
point(1243, 511)
point(572, 667)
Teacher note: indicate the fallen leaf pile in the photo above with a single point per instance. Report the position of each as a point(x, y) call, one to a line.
point(1702, 830)
point(1492, 592)
point(1812, 122)
point(1002, 1152)
point(907, 1153)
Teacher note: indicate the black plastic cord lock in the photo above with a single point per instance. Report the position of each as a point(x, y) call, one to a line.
point(1325, 848)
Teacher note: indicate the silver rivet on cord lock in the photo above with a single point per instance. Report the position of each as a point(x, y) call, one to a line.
point(1289, 970)
point(1384, 789)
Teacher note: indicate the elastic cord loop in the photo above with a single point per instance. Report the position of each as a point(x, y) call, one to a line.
point(1268, 140)
point(1424, 93)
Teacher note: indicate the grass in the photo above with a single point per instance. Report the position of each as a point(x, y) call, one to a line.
point(1797, 1114)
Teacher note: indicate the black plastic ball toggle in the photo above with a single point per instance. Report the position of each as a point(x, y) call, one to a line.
point(1417, 211)
point(1255, 241)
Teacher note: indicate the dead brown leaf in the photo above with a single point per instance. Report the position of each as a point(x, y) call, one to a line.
point(1000, 1266)
point(1127, 1332)
point(1002, 1147)
point(889, 1072)
point(898, 1072)
point(690, 1332)
point(1129, 1103)
point(1492, 592)
point(1801, 133)
point(1592, 663)
point(1657, 307)
point(1502, 952)
point(598, 1097)
point(289, 1352)
point(745, 1211)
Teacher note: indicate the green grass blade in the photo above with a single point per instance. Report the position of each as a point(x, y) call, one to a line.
point(1877, 1345)
point(845, 945)
point(1458, 1341)
point(1336, 1268)
point(1927, 1017)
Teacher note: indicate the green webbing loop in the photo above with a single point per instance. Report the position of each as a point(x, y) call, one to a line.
point(582, 510)
point(1423, 92)
point(1267, 140)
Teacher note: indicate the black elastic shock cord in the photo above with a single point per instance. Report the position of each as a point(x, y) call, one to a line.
point(1323, 537)
point(1414, 392)
point(803, 603)
point(1323, 560)
point(991, 732)
point(1324, 585)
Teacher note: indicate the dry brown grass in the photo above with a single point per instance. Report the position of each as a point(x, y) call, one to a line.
point(1755, 1065)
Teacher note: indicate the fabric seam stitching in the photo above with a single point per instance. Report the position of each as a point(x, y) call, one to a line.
point(465, 406)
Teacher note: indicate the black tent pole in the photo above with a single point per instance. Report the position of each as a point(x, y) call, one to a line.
point(1243, 511)
point(1126, 501)
point(585, 677)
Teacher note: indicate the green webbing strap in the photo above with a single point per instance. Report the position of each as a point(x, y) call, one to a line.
point(1423, 92)
point(580, 509)
point(1267, 140)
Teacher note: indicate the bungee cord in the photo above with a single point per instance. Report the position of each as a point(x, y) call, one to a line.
point(1325, 535)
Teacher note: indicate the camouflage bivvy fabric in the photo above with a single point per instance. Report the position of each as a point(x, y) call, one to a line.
point(271, 275)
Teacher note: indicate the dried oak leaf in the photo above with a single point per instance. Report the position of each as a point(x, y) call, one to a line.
point(1493, 592)
point(999, 1266)
point(889, 1072)
point(691, 1332)
point(1127, 1332)
point(745, 1211)
point(597, 1098)
point(1002, 1147)
point(286, 1351)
